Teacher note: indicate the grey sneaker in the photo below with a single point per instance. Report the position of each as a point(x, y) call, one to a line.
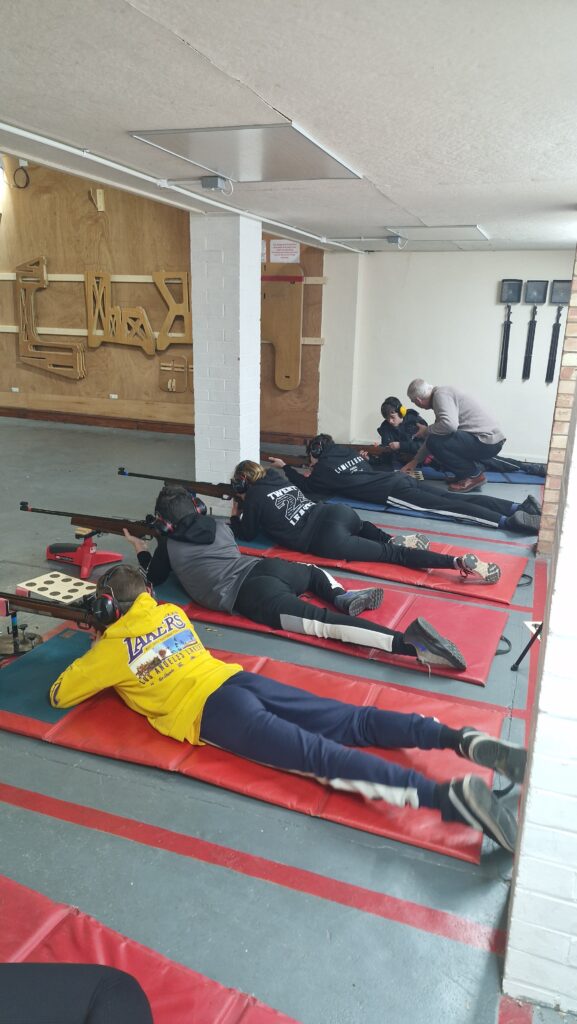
point(356, 601)
point(470, 565)
point(471, 802)
point(411, 540)
point(432, 648)
point(523, 522)
point(530, 505)
point(509, 759)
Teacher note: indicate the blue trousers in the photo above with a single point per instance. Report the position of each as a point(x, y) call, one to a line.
point(288, 728)
point(461, 453)
point(70, 994)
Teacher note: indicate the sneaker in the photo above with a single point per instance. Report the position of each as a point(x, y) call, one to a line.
point(509, 759)
point(523, 522)
point(530, 505)
point(432, 648)
point(471, 802)
point(411, 540)
point(356, 601)
point(470, 565)
point(535, 468)
point(469, 483)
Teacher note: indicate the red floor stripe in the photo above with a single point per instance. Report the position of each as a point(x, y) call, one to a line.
point(427, 919)
point(511, 1012)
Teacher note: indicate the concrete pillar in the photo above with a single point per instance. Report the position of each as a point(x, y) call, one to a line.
point(225, 256)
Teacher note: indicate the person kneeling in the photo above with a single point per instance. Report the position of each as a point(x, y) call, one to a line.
point(151, 655)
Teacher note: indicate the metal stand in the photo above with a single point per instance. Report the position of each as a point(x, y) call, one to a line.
point(527, 647)
point(84, 555)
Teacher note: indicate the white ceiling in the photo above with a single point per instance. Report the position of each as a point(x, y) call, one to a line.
point(454, 112)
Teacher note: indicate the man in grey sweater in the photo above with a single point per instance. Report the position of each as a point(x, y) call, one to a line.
point(463, 437)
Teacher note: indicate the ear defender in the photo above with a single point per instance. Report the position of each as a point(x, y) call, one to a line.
point(402, 411)
point(315, 447)
point(198, 503)
point(239, 485)
point(105, 607)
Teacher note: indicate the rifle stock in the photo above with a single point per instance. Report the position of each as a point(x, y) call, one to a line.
point(99, 524)
point(223, 491)
point(15, 602)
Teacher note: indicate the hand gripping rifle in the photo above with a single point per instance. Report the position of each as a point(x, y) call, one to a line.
point(223, 491)
point(102, 524)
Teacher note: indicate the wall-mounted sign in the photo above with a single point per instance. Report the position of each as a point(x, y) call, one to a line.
point(282, 250)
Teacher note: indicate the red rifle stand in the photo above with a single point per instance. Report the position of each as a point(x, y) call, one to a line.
point(84, 555)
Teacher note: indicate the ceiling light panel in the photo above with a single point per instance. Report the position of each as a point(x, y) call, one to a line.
point(270, 152)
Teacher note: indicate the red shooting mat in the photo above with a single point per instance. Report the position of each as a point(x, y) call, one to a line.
point(475, 630)
point(106, 726)
point(445, 580)
point(37, 930)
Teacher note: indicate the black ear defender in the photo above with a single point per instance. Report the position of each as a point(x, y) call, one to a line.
point(198, 503)
point(239, 484)
point(316, 447)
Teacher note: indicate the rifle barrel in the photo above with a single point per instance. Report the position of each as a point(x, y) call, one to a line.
point(100, 524)
point(223, 491)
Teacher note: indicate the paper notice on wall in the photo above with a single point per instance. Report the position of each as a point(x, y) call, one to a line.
point(263, 251)
point(282, 250)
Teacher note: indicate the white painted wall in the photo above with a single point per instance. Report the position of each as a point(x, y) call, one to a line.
point(434, 315)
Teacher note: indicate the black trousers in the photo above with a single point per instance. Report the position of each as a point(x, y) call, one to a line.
point(475, 508)
point(70, 994)
point(341, 533)
point(461, 453)
point(270, 594)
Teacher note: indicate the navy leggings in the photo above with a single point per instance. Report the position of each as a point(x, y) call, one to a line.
point(341, 533)
point(461, 453)
point(70, 994)
point(288, 728)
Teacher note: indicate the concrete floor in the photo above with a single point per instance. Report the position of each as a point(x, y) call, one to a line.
point(314, 959)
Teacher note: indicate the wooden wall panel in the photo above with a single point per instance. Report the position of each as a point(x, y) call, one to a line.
point(56, 217)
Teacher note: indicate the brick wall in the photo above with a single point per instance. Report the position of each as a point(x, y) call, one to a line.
point(541, 961)
point(555, 494)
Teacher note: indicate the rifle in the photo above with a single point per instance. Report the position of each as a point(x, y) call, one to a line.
point(529, 345)
point(80, 614)
point(223, 491)
point(11, 604)
point(102, 524)
point(303, 460)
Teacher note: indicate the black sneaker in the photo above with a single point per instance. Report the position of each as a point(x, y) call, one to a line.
point(508, 759)
point(470, 565)
point(411, 540)
point(530, 505)
point(523, 522)
point(356, 601)
point(471, 802)
point(432, 648)
point(535, 468)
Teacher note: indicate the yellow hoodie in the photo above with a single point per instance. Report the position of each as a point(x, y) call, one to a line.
point(155, 661)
